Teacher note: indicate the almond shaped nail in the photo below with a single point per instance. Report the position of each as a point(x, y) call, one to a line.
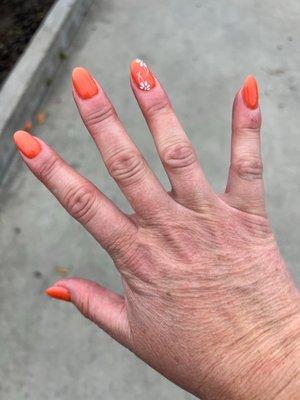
point(84, 83)
point(250, 92)
point(141, 75)
point(27, 144)
point(59, 292)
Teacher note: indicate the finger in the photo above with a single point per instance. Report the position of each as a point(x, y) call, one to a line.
point(109, 226)
point(175, 150)
point(121, 157)
point(245, 184)
point(102, 306)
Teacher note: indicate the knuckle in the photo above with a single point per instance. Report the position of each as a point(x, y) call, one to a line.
point(49, 167)
point(160, 107)
point(252, 128)
point(120, 244)
point(100, 116)
point(80, 202)
point(127, 167)
point(248, 168)
point(179, 155)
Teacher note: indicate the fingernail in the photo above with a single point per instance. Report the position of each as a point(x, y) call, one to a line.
point(250, 92)
point(27, 144)
point(58, 292)
point(141, 75)
point(84, 83)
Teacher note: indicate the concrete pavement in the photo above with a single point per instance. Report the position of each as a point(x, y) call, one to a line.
point(201, 51)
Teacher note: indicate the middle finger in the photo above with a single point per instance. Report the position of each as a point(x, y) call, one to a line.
point(189, 185)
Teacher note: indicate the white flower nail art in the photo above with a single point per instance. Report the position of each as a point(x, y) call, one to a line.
point(142, 75)
point(144, 85)
point(141, 63)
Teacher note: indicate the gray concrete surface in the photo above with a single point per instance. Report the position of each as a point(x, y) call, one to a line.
point(201, 51)
point(34, 71)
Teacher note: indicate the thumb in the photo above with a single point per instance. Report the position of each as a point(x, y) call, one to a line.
point(102, 306)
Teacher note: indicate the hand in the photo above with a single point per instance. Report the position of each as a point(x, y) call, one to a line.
point(207, 301)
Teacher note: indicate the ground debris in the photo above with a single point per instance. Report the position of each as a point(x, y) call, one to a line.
point(62, 271)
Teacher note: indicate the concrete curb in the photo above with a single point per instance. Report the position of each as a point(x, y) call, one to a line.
point(30, 78)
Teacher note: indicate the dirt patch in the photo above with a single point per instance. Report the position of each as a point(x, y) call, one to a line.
point(19, 20)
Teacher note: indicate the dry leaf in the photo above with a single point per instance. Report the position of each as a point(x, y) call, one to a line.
point(27, 126)
point(62, 271)
point(41, 117)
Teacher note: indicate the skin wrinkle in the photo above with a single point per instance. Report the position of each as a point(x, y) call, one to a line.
point(168, 291)
point(189, 251)
point(245, 372)
point(120, 245)
point(283, 389)
point(158, 290)
point(258, 368)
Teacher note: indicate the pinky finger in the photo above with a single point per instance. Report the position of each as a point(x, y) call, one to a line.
point(245, 189)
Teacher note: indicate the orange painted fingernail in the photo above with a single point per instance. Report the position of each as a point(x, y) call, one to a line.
point(141, 75)
point(84, 83)
point(27, 144)
point(250, 92)
point(58, 292)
